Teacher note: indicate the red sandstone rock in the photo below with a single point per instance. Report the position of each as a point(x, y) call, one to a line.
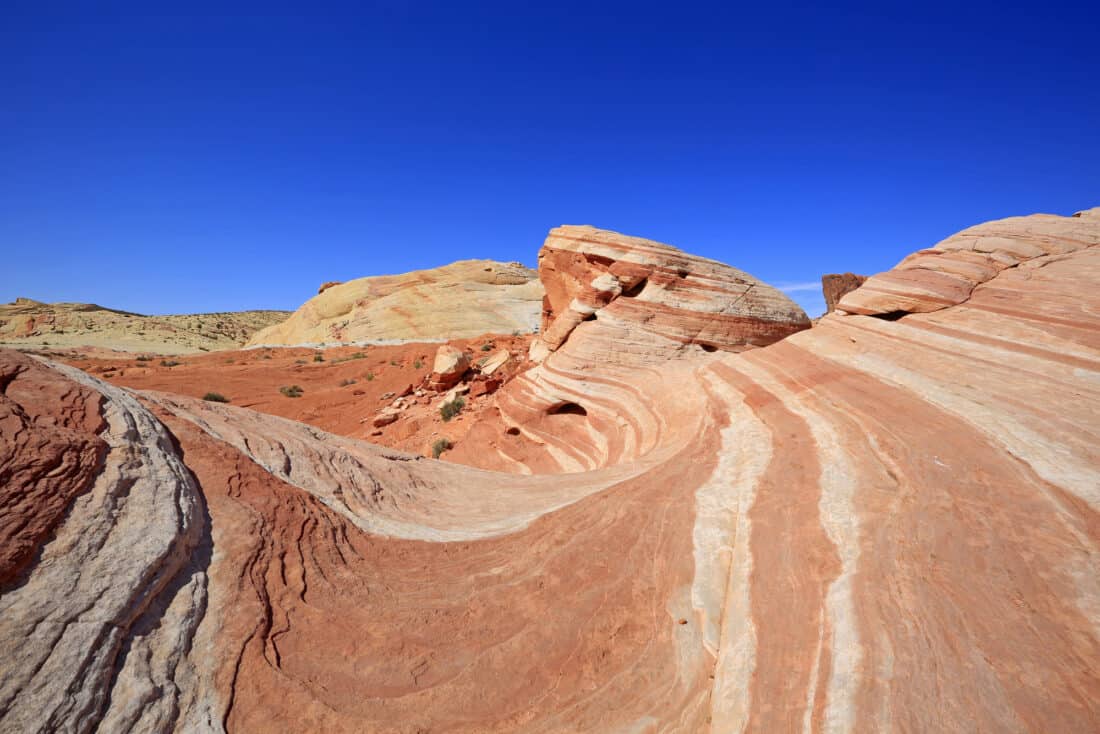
point(325, 286)
point(49, 453)
point(386, 417)
point(875, 524)
point(484, 387)
point(449, 367)
point(660, 298)
point(836, 286)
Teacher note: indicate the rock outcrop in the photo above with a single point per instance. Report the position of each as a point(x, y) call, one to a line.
point(654, 299)
point(448, 368)
point(837, 285)
point(946, 274)
point(464, 299)
point(876, 524)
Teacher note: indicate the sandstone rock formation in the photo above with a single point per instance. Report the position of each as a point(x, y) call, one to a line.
point(947, 273)
point(493, 362)
point(29, 323)
point(654, 298)
point(463, 299)
point(877, 524)
point(448, 368)
point(836, 286)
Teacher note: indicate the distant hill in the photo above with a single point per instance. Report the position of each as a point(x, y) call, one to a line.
point(30, 323)
point(464, 299)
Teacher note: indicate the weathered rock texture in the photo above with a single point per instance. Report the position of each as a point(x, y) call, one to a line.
point(29, 323)
point(448, 367)
point(947, 273)
point(654, 299)
point(463, 299)
point(879, 524)
point(837, 285)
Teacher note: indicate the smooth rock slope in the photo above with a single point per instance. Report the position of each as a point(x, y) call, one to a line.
point(877, 524)
point(464, 299)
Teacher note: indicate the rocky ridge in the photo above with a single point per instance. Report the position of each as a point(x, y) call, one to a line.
point(26, 323)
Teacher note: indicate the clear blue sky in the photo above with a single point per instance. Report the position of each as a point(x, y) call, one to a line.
point(211, 159)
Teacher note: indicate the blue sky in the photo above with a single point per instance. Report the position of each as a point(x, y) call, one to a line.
point(228, 156)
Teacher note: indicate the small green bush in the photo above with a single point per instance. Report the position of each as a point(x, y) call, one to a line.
point(318, 357)
point(440, 446)
point(486, 347)
point(144, 358)
point(299, 361)
point(215, 397)
point(451, 409)
point(169, 363)
point(394, 363)
point(369, 376)
point(291, 391)
point(417, 364)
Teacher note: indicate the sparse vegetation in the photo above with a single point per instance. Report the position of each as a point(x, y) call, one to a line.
point(440, 446)
point(215, 397)
point(169, 363)
point(417, 364)
point(291, 391)
point(299, 361)
point(451, 409)
point(486, 347)
point(345, 383)
point(318, 357)
point(143, 358)
point(369, 376)
point(395, 363)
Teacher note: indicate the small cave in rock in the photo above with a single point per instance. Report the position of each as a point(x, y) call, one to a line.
point(891, 315)
point(635, 289)
point(708, 348)
point(513, 431)
point(567, 409)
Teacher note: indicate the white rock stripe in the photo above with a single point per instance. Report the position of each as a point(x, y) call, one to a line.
point(723, 561)
point(838, 518)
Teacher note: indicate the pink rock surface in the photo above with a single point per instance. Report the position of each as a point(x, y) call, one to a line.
point(876, 524)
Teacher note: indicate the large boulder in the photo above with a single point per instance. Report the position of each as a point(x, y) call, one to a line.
point(450, 365)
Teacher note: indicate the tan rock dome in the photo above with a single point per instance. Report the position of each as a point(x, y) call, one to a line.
point(464, 299)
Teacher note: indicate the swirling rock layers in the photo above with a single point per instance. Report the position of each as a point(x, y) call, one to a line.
point(877, 524)
point(656, 291)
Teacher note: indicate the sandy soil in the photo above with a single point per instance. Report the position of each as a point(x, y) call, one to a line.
point(340, 394)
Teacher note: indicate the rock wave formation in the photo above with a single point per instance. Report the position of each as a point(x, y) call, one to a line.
point(886, 522)
point(464, 299)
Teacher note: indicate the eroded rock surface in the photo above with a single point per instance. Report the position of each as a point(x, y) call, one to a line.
point(837, 285)
point(879, 524)
point(464, 299)
point(658, 298)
